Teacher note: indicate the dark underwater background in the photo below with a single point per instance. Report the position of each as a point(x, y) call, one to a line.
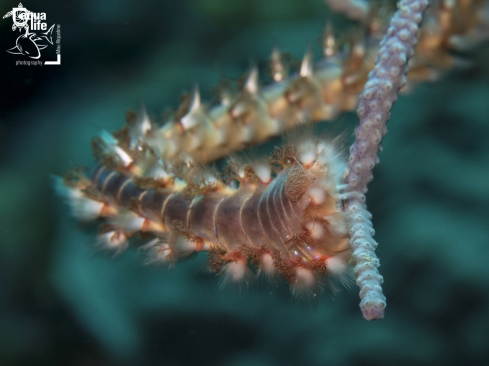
point(62, 304)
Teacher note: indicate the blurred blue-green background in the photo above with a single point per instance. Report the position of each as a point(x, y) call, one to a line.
point(60, 304)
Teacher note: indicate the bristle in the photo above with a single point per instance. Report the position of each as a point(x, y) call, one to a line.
point(251, 85)
point(330, 156)
point(114, 241)
point(266, 266)
point(145, 122)
point(86, 209)
point(158, 252)
point(109, 145)
point(236, 272)
point(125, 158)
point(82, 207)
point(128, 222)
point(339, 267)
point(318, 195)
point(187, 247)
point(138, 126)
point(307, 152)
point(192, 117)
point(337, 224)
point(304, 283)
point(263, 170)
point(157, 172)
point(195, 99)
point(307, 64)
point(316, 230)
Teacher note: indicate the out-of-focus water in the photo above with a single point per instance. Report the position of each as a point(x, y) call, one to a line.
point(62, 305)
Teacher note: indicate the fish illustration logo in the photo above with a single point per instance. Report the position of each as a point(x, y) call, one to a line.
point(26, 44)
point(29, 44)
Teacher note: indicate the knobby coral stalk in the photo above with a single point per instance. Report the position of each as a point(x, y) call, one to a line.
point(384, 82)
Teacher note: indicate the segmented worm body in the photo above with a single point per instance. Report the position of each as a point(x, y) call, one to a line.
point(317, 92)
point(284, 216)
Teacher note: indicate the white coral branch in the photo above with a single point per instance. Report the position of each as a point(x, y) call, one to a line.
point(384, 82)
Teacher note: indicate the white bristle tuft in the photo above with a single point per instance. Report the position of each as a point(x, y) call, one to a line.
point(129, 222)
point(263, 170)
point(340, 267)
point(113, 240)
point(337, 224)
point(145, 123)
point(187, 246)
point(307, 153)
point(251, 85)
point(237, 110)
point(318, 195)
point(266, 265)
point(336, 265)
point(193, 117)
point(237, 273)
point(327, 152)
point(210, 178)
point(162, 254)
point(111, 147)
point(241, 171)
point(159, 252)
point(86, 209)
point(157, 172)
point(139, 127)
point(307, 64)
point(330, 157)
point(125, 158)
point(304, 281)
point(316, 229)
point(195, 99)
point(82, 207)
point(236, 270)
